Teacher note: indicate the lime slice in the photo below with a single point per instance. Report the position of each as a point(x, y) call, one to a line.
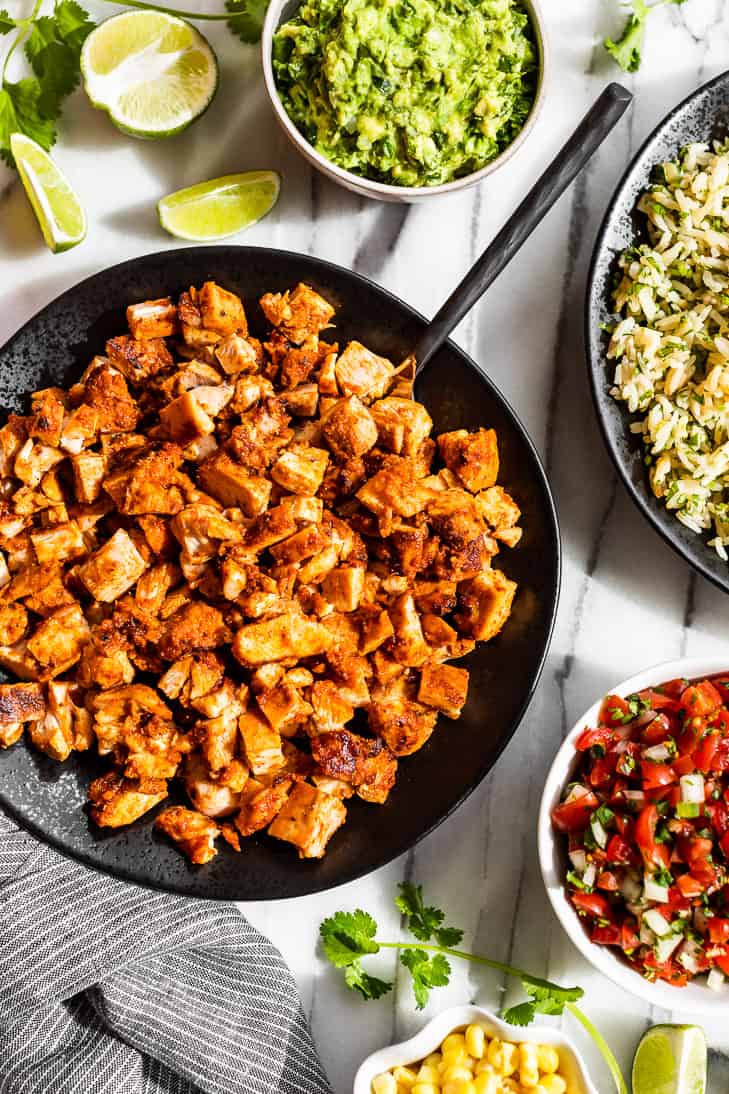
point(220, 207)
point(152, 73)
point(55, 203)
point(671, 1060)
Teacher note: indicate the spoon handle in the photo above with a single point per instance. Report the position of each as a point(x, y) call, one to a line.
point(567, 164)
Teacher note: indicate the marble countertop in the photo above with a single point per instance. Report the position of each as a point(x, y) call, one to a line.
point(627, 601)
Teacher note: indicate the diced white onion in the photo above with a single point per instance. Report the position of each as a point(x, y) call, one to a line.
point(646, 936)
point(630, 888)
point(656, 922)
point(715, 980)
point(657, 754)
point(599, 833)
point(688, 956)
point(590, 875)
point(692, 788)
point(665, 946)
point(578, 859)
point(654, 892)
point(637, 796)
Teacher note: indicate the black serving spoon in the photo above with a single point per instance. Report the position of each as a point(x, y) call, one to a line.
point(599, 121)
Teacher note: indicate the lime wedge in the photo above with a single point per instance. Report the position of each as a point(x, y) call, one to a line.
point(220, 207)
point(55, 203)
point(152, 73)
point(671, 1060)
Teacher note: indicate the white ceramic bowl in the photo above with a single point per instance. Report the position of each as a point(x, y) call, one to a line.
point(696, 997)
point(281, 10)
point(455, 1018)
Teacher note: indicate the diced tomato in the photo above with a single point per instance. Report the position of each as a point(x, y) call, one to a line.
point(657, 731)
point(718, 812)
point(593, 905)
point(689, 886)
point(602, 735)
point(677, 902)
point(607, 881)
point(629, 937)
point(684, 765)
point(603, 771)
point(718, 930)
point(696, 849)
point(706, 752)
point(660, 701)
point(606, 936)
point(667, 971)
point(656, 775)
point(721, 683)
point(574, 815)
point(619, 851)
point(700, 699)
point(614, 711)
point(723, 963)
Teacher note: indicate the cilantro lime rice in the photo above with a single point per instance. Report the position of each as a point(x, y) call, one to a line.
point(672, 346)
point(407, 92)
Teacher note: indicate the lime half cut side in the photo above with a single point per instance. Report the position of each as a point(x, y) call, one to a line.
point(220, 207)
point(671, 1060)
point(55, 203)
point(152, 73)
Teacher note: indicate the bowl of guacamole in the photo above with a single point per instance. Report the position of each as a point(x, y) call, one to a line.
point(401, 99)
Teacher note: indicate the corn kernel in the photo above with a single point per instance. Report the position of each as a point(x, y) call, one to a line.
point(433, 1060)
point(384, 1084)
point(404, 1076)
point(551, 1084)
point(528, 1066)
point(426, 1088)
point(460, 1086)
point(453, 1074)
point(510, 1086)
point(503, 1056)
point(475, 1041)
point(487, 1082)
point(456, 1059)
point(428, 1075)
point(453, 1041)
point(547, 1058)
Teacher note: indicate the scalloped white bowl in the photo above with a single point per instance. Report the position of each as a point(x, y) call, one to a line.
point(433, 1034)
point(696, 998)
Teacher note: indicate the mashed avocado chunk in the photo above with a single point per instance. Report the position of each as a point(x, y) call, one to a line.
point(410, 92)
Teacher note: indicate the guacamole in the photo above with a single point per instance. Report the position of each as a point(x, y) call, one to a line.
point(408, 92)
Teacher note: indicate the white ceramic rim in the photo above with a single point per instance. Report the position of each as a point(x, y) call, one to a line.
point(432, 1035)
point(696, 997)
point(381, 190)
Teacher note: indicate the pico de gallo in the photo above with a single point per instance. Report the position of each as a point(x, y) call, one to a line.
point(647, 824)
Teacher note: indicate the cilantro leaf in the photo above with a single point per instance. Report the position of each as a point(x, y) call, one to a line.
point(521, 1015)
point(7, 23)
point(73, 23)
point(347, 936)
point(627, 51)
point(19, 112)
point(369, 987)
point(427, 972)
point(53, 49)
point(246, 18)
point(424, 921)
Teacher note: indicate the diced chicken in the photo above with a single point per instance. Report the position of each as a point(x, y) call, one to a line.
point(200, 530)
point(284, 708)
point(260, 803)
point(395, 489)
point(300, 469)
point(402, 424)
point(308, 819)
point(106, 392)
point(280, 638)
point(261, 433)
point(303, 510)
point(403, 724)
point(435, 597)
point(473, 457)
point(330, 709)
point(376, 628)
point(298, 313)
point(261, 743)
point(185, 420)
point(80, 429)
point(210, 797)
point(89, 469)
point(349, 428)
point(196, 626)
point(34, 460)
point(232, 484)
point(113, 568)
point(361, 372)
point(236, 354)
point(305, 543)
point(221, 311)
point(269, 528)
point(116, 801)
point(58, 642)
point(146, 481)
point(154, 585)
point(47, 414)
point(194, 833)
point(408, 644)
point(343, 587)
point(13, 624)
point(138, 360)
point(152, 319)
point(21, 703)
point(59, 543)
point(365, 764)
point(213, 398)
point(444, 687)
point(302, 400)
point(485, 604)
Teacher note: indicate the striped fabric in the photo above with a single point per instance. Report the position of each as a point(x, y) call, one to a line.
point(109, 989)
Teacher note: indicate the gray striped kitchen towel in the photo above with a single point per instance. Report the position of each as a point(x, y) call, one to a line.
point(109, 989)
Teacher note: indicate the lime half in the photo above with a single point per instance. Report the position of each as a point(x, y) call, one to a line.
point(152, 73)
point(220, 207)
point(671, 1060)
point(55, 203)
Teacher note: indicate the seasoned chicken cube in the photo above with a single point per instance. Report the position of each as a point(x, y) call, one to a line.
point(209, 796)
point(201, 529)
point(435, 597)
point(152, 318)
point(13, 624)
point(302, 400)
point(21, 703)
point(361, 372)
point(213, 398)
point(308, 819)
point(269, 528)
point(395, 489)
point(236, 354)
point(349, 428)
point(367, 765)
point(47, 414)
point(330, 709)
point(308, 541)
point(485, 604)
point(402, 424)
point(106, 392)
point(10, 733)
point(184, 419)
point(138, 360)
point(298, 313)
point(300, 468)
point(59, 543)
point(58, 642)
point(66, 725)
point(194, 833)
point(232, 484)
point(403, 724)
point(80, 429)
point(444, 687)
point(304, 510)
point(146, 481)
point(343, 587)
point(408, 645)
point(221, 311)
point(120, 710)
point(261, 743)
point(279, 638)
point(196, 626)
point(261, 433)
point(376, 628)
point(33, 461)
point(113, 568)
point(116, 801)
point(473, 457)
point(284, 708)
point(89, 469)
point(498, 508)
point(260, 803)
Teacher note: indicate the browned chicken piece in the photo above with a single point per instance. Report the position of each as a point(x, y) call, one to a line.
point(201, 529)
point(13, 624)
point(106, 392)
point(302, 400)
point(349, 428)
point(74, 720)
point(298, 362)
point(218, 737)
point(284, 708)
point(308, 819)
point(34, 460)
point(343, 587)
point(152, 318)
point(236, 354)
point(80, 429)
point(197, 626)
point(376, 628)
point(402, 424)
point(154, 585)
point(350, 672)
point(210, 797)
point(89, 469)
point(361, 372)
point(193, 677)
point(485, 604)
point(158, 535)
point(116, 801)
point(501, 512)
point(113, 568)
point(395, 489)
point(403, 724)
point(149, 749)
point(58, 642)
point(454, 516)
point(138, 360)
point(308, 541)
point(316, 569)
point(330, 710)
point(106, 661)
point(262, 745)
point(185, 420)
point(233, 484)
point(269, 528)
point(146, 481)
point(59, 543)
point(260, 803)
point(435, 597)
point(262, 432)
point(221, 311)
point(444, 687)
point(250, 390)
point(473, 457)
point(191, 831)
point(48, 411)
point(297, 313)
point(19, 704)
point(276, 639)
point(368, 765)
point(300, 468)
point(408, 645)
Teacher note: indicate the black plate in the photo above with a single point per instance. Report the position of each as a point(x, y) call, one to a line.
point(48, 798)
point(703, 116)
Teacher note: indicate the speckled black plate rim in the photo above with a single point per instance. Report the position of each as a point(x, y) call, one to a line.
point(695, 551)
point(200, 253)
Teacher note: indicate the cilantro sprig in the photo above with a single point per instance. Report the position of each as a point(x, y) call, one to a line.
point(627, 51)
point(349, 938)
